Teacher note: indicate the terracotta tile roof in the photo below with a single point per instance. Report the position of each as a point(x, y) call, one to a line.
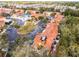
point(5, 10)
point(2, 21)
point(50, 32)
point(34, 14)
point(19, 11)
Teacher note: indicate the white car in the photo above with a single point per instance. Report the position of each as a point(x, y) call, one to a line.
point(8, 21)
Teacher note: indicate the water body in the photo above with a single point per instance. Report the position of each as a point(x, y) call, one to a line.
point(11, 34)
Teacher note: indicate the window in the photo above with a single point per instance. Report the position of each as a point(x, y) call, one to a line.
point(57, 38)
point(58, 34)
point(54, 43)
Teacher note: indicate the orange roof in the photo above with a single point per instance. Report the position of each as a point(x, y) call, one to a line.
point(50, 32)
point(19, 11)
point(5, 10)
point(2, 21)
point(33, 13)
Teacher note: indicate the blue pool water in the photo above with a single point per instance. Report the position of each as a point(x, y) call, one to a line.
point(21, 20)
point(11, 34)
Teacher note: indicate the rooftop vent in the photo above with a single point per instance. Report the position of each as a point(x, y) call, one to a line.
point(43, 38)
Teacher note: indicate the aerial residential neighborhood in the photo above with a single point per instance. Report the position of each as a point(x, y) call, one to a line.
point(39, 29)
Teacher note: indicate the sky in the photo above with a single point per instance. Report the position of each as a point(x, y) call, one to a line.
point(39, 0)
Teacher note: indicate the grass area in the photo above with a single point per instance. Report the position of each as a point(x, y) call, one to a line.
point(27, 28)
